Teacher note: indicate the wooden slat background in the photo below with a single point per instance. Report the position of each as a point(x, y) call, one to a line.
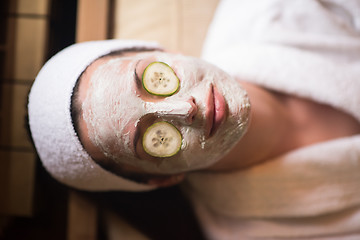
point(23, 54)
point(179, 25)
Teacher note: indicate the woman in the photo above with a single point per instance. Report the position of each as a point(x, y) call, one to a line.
point(268, 172)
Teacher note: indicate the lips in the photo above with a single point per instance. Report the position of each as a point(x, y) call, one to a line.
point(215, 111)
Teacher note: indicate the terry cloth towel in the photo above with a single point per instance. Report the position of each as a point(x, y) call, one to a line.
point(50, 121)
point(307, 48)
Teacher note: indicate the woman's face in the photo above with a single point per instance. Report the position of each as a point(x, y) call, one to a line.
point(210, 110)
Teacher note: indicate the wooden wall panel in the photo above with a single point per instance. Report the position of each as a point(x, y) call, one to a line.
point(196, 16)
point(38, 7)
point(155, 20)
point(30, 43)
point(13, 127)
point(92, 20)
point(23, 50)
point(17, 185)
point(178, 25)
point(82, 218)
point(24, 57)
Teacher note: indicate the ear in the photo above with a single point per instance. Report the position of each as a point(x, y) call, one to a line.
point(167, 181)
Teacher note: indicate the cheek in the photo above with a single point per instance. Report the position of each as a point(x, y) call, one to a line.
point(187, 74)
point(196, 75)
point(110, 124)
point(192, 138)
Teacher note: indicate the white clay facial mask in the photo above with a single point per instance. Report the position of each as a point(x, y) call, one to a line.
point(205, 114)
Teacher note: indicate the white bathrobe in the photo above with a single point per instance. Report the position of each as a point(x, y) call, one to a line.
point(311, 49)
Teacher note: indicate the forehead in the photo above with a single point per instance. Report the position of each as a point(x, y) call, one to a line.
point(90, 70)
point(82, 91)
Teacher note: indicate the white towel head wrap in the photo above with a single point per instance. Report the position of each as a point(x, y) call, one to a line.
point(50, 121)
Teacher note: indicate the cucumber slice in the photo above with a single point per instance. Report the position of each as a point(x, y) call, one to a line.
point(160, 79)
point(162, 139)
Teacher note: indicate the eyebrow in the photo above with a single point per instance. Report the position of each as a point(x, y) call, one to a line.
point(136, 138)
point(137, 79)
point(137, 128)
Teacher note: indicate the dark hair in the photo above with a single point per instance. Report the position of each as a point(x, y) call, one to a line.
point(116, 168)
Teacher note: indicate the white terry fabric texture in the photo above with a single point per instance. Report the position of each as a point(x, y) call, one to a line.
point(50, 121)
point(311, 49)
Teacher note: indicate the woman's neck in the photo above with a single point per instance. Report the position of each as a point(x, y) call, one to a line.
point(281, 123)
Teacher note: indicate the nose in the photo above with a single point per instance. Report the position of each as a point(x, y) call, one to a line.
point(183, 111)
